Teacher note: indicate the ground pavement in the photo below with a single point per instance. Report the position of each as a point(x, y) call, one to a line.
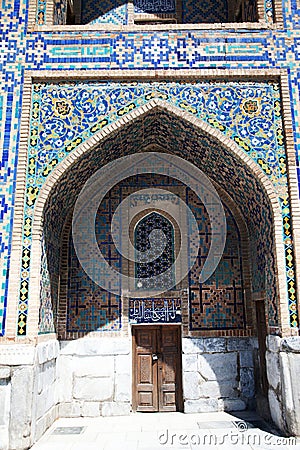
point(165, 431)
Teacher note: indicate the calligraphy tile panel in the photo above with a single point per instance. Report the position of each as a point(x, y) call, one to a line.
point(155, 310)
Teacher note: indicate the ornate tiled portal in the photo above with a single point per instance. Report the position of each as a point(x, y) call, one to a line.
point(66, 115)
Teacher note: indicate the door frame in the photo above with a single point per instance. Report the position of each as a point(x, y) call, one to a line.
point(179, 399)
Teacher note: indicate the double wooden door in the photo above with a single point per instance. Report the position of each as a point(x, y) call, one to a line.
point(157, 368)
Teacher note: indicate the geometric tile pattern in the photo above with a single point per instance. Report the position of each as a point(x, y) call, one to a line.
point(221, 301)
point(65, 115)
point(160, 265)
point(104, 11)
point(206, 11)
point(89, 307)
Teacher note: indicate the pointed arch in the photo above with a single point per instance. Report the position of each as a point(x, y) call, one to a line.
point(155, 110)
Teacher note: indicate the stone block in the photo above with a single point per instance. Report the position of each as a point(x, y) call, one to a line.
point(115, 409)
point(96, 346)
point(215, 389)
point(4, 373)
point(17, 354)
point(192, 345)
point(42, 353)
point(275, 409)
point(90, 409)
point(239, 343)
point(201, 405)
point(218, 366)
point(273, 369)
point(246, 359)
point(93, 389)
point(5, 392)
point(69, 409)
point(42, 424)
point(290, 369)
point(46, 375)
point(45, 401)
point(189, 363)
point(273, 343)
point(64, 368)
point(214, 345)
point(247, 385)
point(94, 366)
point(123, 364)
point(191, 382)
point(53, 350)
point(291, 344)
point(122, 388)
point(21, 406)
point(232, 404)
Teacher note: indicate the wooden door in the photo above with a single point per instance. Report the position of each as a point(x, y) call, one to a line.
point(157, 368)
point(262, 335)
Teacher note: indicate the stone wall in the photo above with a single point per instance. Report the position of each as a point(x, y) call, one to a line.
point(283, 369)
point(94, 377)
point(218, 374)
point(28, 402)
point(45, 408)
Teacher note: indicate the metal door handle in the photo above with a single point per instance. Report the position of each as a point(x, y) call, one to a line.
point(154, 357)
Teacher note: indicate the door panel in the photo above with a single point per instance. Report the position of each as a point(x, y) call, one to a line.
point(262, 335)
point(169, 368)
point(157, 368)
point(145, 398)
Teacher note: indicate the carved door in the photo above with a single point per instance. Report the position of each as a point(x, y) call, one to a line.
point(157, 368)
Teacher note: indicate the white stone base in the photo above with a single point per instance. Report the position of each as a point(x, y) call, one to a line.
point(283, 370)
point(218, 374)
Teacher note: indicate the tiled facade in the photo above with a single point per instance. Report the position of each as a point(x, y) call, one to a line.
point(66, 115)
point(245, 78)
point(217, 304)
